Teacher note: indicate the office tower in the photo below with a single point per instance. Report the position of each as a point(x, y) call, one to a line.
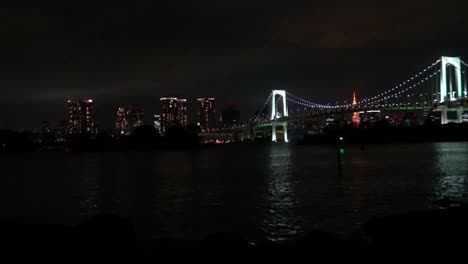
point(206, 113)
point(127, 119)
point(157, 122)
point(81, 117)
point(173, 112)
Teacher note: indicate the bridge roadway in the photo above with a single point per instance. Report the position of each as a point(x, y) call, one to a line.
point(312, 114)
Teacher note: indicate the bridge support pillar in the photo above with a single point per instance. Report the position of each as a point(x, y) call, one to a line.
point(274, 125)
point(285, 131)
point(273, 132)
point(443, 115)
point(459, 114)
point(445, 118)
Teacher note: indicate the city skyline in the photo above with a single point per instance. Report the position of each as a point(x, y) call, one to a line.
point(110, 121)
point(238, 51)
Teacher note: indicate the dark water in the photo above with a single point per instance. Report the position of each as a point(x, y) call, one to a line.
point(273, 192)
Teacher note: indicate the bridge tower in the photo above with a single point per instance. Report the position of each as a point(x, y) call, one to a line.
point(275, 114)
point(448, 93)
point(274, 109)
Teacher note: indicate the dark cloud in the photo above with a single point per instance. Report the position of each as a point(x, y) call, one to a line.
point(136, 51)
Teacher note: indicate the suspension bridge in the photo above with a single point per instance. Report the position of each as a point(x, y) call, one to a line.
point(439, 88)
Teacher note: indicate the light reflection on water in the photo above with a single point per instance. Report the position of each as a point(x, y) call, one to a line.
point(281, 221)
point(450, 167)
point(87, 190)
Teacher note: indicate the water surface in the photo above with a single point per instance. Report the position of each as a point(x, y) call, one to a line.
point(275, 192)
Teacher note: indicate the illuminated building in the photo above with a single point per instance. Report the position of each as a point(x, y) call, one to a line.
point(173, 112)
point(157, 122)
point(127, 119)
point(137, 118)
point(81, 117)
point(74, 118)
point(206, 113)
point(121, 122)
point(87, 114)
point(369, 116)
point(356, 118)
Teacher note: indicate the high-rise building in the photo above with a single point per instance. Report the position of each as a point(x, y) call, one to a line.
point(81, 117)
point(134, 117)
point(230, 116)
point(88, 124)
point(206, 113)
point(173, 112)
point(74, 118)
point(121, 123)
point(157, 122)
point(127, 119)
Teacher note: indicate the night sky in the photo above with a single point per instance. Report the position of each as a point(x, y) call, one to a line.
point(134, 52)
